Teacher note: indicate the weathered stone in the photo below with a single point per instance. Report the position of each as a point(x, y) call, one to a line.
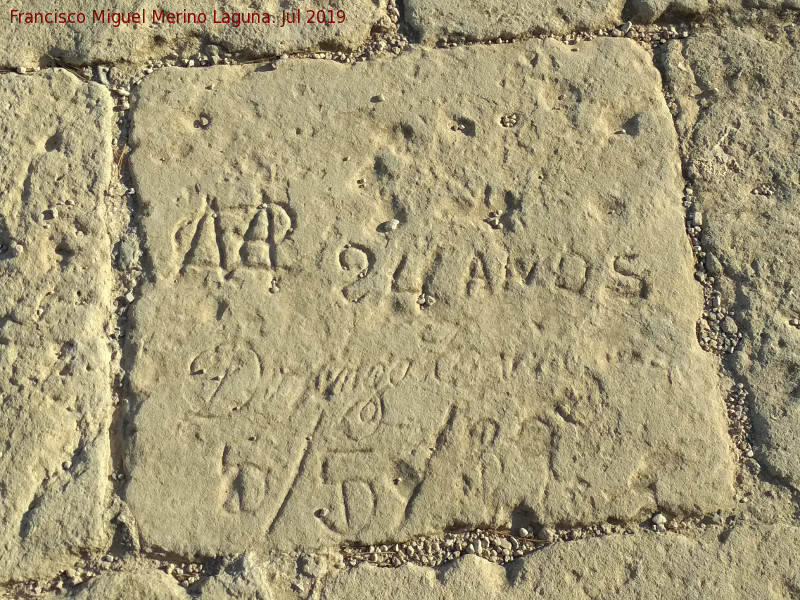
point(647, 11)
point(744, 159)
point(145, 584)
point(522, 342)
point(436, 20)
point(243, 579)
point(55, 300)
point(27, 44)
point(747, 562)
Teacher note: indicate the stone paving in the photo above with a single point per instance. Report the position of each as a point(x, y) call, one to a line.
point(491, 300)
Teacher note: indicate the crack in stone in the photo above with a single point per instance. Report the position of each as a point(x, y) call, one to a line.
point(501, 546)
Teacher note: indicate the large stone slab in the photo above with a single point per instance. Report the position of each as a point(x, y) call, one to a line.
point(97, 39)
point(439, 290)
point(436, 20)
point(54, 357)
point(738, 98)
point(738, 563)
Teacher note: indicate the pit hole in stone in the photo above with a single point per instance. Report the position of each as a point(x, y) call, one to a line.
point(632, 126)
point(203, 121)
point(465, 126)
point(65, 253)
point(54, 142)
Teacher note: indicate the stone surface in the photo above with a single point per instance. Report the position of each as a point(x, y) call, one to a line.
point(521, 346)
point(435, 20)
point(739, 562)
point(739, 112)
point(244, 579)
point(145, 584)
point(27, 44)
point(54, 359)
point(742, 563)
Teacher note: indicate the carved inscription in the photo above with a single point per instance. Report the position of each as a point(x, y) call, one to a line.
point(221, 241)
point(476, 276)
point(246, 484)
point(374, 320)
point(225, 376)
point(263, 238)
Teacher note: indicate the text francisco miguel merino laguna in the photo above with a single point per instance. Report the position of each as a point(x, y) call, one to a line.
point(233, 19)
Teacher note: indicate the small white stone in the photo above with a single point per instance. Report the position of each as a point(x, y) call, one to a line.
point(523, 532)
point(659, 519)
point(392, 225)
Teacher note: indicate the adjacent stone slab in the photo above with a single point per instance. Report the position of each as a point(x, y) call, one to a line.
point(248, 577)
point(747, 562)
point(54, 358)
point(191, 26)
point(738, 99)
point(737, 562)
point(151, 584)
point(451, 288)
point(437, 20)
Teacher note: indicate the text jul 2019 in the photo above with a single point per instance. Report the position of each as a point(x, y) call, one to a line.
point(232, 19)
